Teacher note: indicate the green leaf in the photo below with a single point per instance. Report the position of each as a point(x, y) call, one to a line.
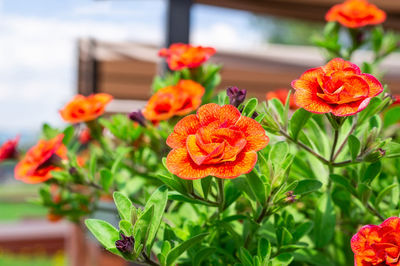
point(282, 259)
point(159, 200)
point(126, 227)
point(203, 254)
point(340, 180)
point(324, 221)
point(307, 186)
point(354, 146)
point(124, 205)
point(392, 150)
point(283, 236)
point(106, 179)
point(264, 249)
point(104, 232)
point(302, 230)
point(174, 254)
point(245, 256)
point(373, 170)
point(172, 182)
point(92, 166)
point(250, 107)
point(68, 134)
point(278, 153)
point(141, 228)
point(257, 186)
point(299, 119)
point(206, 185)
point(384, 193)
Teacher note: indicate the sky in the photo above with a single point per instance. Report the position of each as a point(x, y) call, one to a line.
point(38, 47)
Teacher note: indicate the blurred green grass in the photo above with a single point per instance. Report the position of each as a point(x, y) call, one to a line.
point(15, 205)
point(30, 260)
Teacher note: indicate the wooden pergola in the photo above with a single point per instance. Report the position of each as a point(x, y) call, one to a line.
point(178, 14)
point(126, 70)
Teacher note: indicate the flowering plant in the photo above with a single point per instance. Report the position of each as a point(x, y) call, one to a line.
point(205, 179)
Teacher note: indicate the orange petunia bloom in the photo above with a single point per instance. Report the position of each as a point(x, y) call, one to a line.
point(9, 149)
point(180, 55)
point(377, 244)
point(281, 95)
point(339, 88)
point(180, 99)
point(356, 14)
point(216, 141)
point(84, 109)
point(40, 160)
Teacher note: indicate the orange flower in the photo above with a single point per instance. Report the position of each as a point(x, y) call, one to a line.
point(217, 141)
point(51, 217)
point(40, 160)
point(9, 149)
point(84, 109)
point(356, 14)
point(377, 244)
point(180, 99)
point(180, 55)
point(338, 87)
point(281, 95)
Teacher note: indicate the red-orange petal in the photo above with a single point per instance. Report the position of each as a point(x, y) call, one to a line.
point(254, 133)
point(185, 127)
point(179, 163)
point(375, 87)
point(211, 112)
point(309, 100)
point(350, 108)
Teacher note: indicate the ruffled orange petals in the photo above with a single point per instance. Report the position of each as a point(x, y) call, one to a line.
point(84, 109)
point(9, 149)
point(181, 55)
point(281, 95)
point(217, 141)
point(180, 99)
point(377, 244)
point(356, 14)
point(339, 88)
point(40, 160)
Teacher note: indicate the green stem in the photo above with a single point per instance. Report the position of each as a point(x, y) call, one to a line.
point(303, 146)
point(346, 138)
point(375, 212)
point(221, 195)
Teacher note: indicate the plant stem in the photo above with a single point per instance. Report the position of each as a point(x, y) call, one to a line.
point(335, 140)
point(346, 138)
point(203, 200)
point(375, 212)
point(221, 195)
point(148, 260)
point(303, 146)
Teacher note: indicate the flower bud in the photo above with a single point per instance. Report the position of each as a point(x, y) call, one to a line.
point(236, 96)
point(290, 197)
point(125, 244)
point(137, 116)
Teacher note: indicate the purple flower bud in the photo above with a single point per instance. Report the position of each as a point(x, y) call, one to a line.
point(290, 197)
point(125, 244)
point(73, 171)
point(382, 151)
point(236, 96)
point(138, 117)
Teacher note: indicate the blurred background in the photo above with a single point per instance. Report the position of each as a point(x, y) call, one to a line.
point(51, 50)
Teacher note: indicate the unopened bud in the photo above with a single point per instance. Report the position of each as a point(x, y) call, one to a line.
point(125, 244)
point(137, 116)
point(236, 96)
